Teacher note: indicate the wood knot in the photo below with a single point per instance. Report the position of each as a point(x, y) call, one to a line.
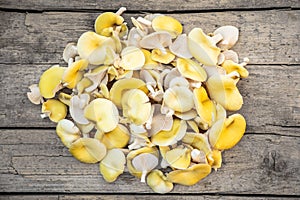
point(273, 162)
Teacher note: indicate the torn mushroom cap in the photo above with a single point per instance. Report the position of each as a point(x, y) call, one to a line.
point(122, 85)
point(74, 73)
point(34, 95)
point(70, 51)
point(179, 158)
point(112, 165)
point(191, 69)
point(136, 106)
point(158, 182)
point(167, 23)
point(93, 47)
point(144, 163)
point(54, 109)
point(225, 134)
point(156, 40)
point(163, 57)
point(159, 121)
point(230, 36)
point(104, 113)
point(223, 90)
point(180, 47)
point(194, 173)
point(107, 21)
point(50, 81)
point(215, 159)
point(88, 150)
point(165, 138)
point(202, 48)
point(77, 105)
point(206, 108)
point(132, 58)
point(67, 132)
point(179, 99)
point(198, 141)
point(117, 138)
point(132, 154)
point(231, 66)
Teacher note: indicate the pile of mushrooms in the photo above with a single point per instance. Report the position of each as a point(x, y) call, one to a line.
point(151, 100)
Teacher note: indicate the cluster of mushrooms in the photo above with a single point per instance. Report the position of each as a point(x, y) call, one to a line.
point(150, 98)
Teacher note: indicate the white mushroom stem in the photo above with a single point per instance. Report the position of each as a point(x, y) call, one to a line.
point(217, 38)
point(121, 10)
point(44, 115)
point(143, 177)
point(144, 21)
point(70, 62)
point(195, 84)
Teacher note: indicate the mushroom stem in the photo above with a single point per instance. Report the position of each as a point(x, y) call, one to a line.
point(143, 177)
point(217, 38)
point(70, 62)
point(121, 10)
point(144, 21)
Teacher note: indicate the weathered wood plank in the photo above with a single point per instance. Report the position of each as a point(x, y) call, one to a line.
point(271, 98)
point(259, 164)
point(268, 37)
point(165, 5)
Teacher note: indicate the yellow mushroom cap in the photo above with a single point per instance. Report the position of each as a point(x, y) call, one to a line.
point(88, 150)
point(162, 57)
point(223, 90)
point(189, 176)
point(136, 106)
point(132, 58)
point(104, 113)
point(202, 47)
point(191, 69)
point(179, 98)
point(225, 134)
point(206, 108)
point(65, 98)
point(149, 62)
point(107, 20)
point(198, 141)
point(112, 165)
point(158, 182)
point(179, 158)
point(231, 66)
point(117, 138)
point(55, 109)
point(50, 81)
point(73, 74)
point(67, 132)
point(167, 23)
point(215, 159)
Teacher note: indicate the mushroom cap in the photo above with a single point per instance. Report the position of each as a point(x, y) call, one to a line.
point(202, 47)
point(50, 81)
point(231, 66)
point(191, 69)
point(230, 36)
point(67, 132)
point(112, 165)
point(88, 150)
point(64, 98)
point(117, 138)
point(162, 57)
point(34, 95)
point(198, 141)
point(149, 62)
point(107, 20)
point(55, 109)
point(77, 105)
point(156, 40)
point(170, 137)
point(160, 121)
point(167, 23)
point(223, 90)
point(179, 99)
point(180, 47)
point(104, 113)
point(132, 58)
point(194, 173)
point(158, 182)
point(215, 159)
point(96, 76)
point(231, 55)
point(74, 73)
point(144, 162)
point(179, 158)
point(225, 134)
point(70, 51)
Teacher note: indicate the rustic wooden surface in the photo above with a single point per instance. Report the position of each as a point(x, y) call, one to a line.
point(264, 165)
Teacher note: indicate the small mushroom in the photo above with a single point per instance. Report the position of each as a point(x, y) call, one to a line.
point(191, 69)
point(164, 57)
point(67, 132)
point(231, 66)
point(231, 55)
point(215, 159)
point(112, 165)
point(50, 81)
point(34, 95)
point(77, 105)
point(88, 150)
point(117, 138)
point(156, 40)
point(167, 23)
point(225, 134)
point(158, 182)
point(104, 113)
point(179, 158)
point(230, 36)
point(202, 48)
point(54, 109)
point(194, 173)
point(198, 141)
point(70, 52)
point(132, 58)
point(74, 73)
point(144, 163)
point(180, 47)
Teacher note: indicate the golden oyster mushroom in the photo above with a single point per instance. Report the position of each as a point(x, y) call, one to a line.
point(162, 57)
point(74, 73)
point(67, 132)
point(158, 182)
point(198, 141)
point(191, 69)
point(231, 66)
point(167, 23)
point(132, 58)
point(54, 109)
point(179, 157)
point(117, 138)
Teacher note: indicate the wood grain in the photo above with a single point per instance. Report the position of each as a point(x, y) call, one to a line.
point(36, 161)
point(266, 37)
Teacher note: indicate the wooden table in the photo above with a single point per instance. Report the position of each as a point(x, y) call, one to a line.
point(264, 165)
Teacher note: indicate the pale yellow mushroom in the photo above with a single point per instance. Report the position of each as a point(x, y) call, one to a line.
point(231, 55)
point(223, 90)
point(88, 150)
point(191, 114)
point(159, 121)
point(104, 113)
point(198, 141)
point(149, 62)
point(77, 105)
point(117, 138)
point(156, 40)
point(65, 98)
point(67, 132)
point(231, 66)
point(165, 138)
point(34, 95)
point(96, 76)
point(112, 165)
point(144, 163)
point(230, 36)
point(136, 106)
point(202, 47)
point(215, 159)
point(193, 126)
point(83, 84)
point(74, 73)
point(121, 86)
point(213, 70)
point(158, 182)
point(180, 47)
point(70, 52)
point(225, 134)
point(132, 58)
point(191, 69)
point(54, 109)
point(189, 176)
point(50, 81)
point(167, 23)
point(163, 57)
point(179, 158)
